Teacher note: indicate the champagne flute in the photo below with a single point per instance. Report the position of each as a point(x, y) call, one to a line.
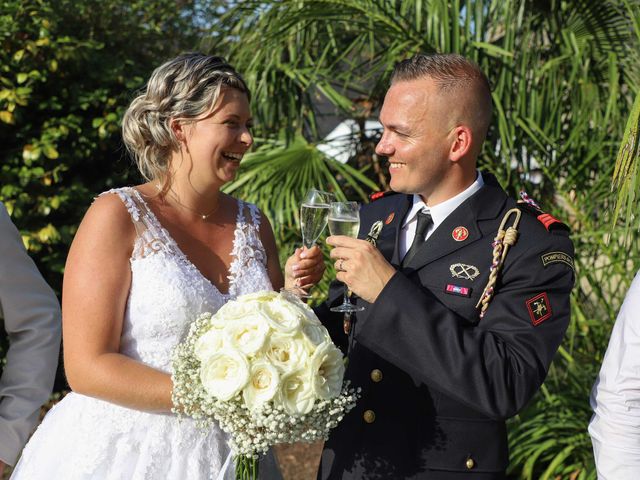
point(344, 219)
point(314, 211)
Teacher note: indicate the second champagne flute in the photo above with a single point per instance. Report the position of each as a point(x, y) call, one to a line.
point(344, 219)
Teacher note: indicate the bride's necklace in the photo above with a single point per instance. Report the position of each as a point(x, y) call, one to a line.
point(203, 216)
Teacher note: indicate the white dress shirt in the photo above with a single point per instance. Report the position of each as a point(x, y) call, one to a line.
point(438, 212)
point(615, 398)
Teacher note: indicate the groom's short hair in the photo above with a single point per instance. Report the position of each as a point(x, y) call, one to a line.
point(454, 75)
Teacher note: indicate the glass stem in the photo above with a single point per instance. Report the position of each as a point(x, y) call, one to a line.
point(345, 299)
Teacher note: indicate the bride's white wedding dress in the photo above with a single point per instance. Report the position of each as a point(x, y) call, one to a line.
point(86, 438)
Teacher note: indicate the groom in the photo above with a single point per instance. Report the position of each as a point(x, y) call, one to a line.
point(439, 378)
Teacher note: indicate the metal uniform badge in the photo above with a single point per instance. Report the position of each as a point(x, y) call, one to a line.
point(461, 270)
point(374, 233)
point(460, 234)
point(390, 218)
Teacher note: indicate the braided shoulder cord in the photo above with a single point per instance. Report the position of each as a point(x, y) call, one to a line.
point(504, 239)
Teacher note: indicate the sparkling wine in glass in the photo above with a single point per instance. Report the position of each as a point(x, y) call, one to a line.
point(344, 219)
point(314, 211)
point(313, 216)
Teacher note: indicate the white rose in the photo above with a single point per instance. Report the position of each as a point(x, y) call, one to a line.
point(283, 315)
point(296, 393)
point(327, 371)
point(249, 334)
point(308, 315)
point(224, 374)
point(316, 334)
point(208, 344)
point(234, 310)
point(264, 381)
point(261, 296)
point(285, 352)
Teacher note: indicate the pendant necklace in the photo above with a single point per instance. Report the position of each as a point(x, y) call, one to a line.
point(203, 216)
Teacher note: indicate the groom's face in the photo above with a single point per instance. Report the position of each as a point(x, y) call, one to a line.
point(415, 117)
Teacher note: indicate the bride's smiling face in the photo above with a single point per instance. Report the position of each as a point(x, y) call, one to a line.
point(217, 142)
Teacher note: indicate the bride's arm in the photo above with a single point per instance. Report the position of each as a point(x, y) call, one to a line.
point(273, 263)
point(95, 289)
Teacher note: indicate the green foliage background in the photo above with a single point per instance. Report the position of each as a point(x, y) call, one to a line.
point(565, 76)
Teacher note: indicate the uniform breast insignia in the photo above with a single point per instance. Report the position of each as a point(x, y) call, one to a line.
point(458, 290)
point(390, 218)
point(374, 233)
point(539, 308)
point(466, 272)
point(460, 234)
point(557, 257)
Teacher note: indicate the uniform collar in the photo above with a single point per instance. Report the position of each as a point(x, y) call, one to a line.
point(441, 211)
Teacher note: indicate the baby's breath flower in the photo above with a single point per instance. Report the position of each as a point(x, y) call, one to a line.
point(248, 409)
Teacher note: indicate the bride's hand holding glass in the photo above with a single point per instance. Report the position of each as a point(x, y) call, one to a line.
point(303, 270)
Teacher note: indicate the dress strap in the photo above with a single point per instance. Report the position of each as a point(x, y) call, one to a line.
point(255, 215)
point(150, 236)
point(125, 194)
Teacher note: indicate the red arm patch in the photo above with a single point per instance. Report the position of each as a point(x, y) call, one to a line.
point(539, 308)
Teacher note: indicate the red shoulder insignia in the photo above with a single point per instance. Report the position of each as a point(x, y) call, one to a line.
point(378, 195)
point(548, 220)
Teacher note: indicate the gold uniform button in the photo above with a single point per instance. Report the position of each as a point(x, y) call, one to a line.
point(369, 416)
point(376, 375)
point(470, 463)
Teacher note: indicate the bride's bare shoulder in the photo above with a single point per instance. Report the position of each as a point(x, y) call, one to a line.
point(107, 224)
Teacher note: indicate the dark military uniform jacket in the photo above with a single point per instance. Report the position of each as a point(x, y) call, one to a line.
point(437, 381)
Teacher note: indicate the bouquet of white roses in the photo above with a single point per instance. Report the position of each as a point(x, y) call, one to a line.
point(265, 368)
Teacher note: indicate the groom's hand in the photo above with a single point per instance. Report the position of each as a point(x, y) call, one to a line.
point(360, 266)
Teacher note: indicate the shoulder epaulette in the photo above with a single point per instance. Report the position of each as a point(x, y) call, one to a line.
point(549, 221)
point(378, 195)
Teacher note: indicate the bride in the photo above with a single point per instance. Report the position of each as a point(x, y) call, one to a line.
point(145, 262)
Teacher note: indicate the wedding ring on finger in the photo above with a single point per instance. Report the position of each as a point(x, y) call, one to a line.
point(341, 265)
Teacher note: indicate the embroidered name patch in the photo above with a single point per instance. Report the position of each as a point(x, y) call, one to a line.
point(458, 290)
point(557, 257)
point(539, 308)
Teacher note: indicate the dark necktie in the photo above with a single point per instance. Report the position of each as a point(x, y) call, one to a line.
point(424, 220)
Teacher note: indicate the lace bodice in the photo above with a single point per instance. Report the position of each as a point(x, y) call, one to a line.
point(168, 292)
